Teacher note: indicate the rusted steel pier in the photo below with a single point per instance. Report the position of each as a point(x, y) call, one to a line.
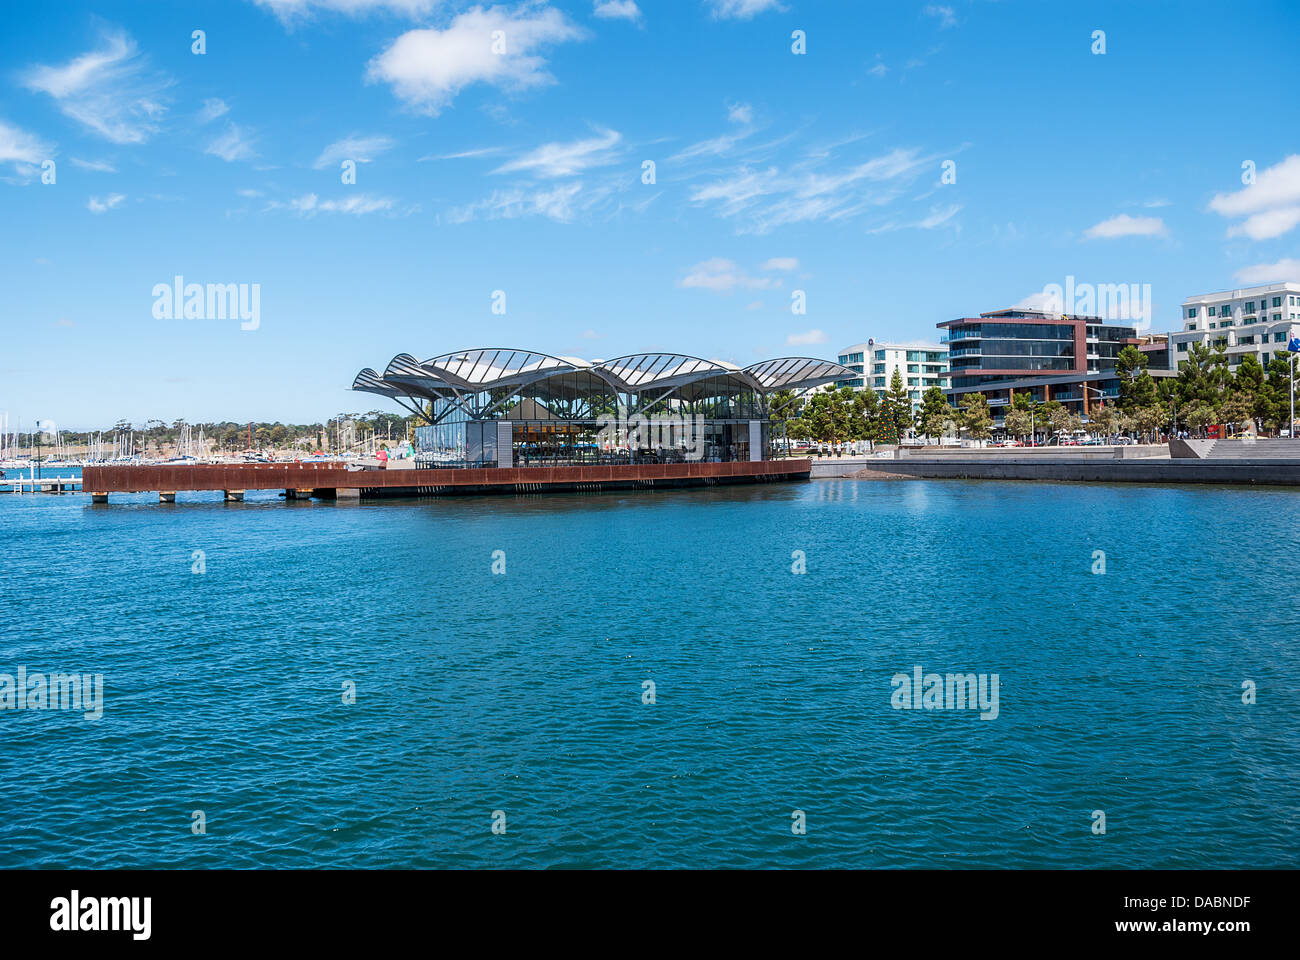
point(329, 481)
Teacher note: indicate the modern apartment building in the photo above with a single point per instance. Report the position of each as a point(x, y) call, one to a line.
point(921, 365)
point(1049, 356)
point(1254, 320)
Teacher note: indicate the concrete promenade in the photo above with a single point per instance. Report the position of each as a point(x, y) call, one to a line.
point(1068, 464)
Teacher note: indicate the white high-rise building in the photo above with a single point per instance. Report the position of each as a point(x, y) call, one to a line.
point(921, 365)
point(1256, 320)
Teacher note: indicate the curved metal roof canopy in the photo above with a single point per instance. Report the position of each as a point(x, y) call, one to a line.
point(449, 376)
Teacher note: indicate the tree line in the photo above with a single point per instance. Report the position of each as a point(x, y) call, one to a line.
point(1205, 392)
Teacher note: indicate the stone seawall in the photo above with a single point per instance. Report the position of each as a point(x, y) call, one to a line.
point(1155, 471)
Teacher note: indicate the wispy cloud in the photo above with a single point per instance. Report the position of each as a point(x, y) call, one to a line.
point(1285, 269)
point(107, 90)
point(235, 144)
point(356, 204)
point(21, 148)
point(785, 264)
point(463, 155)
point(740, 113)
point(616, 10)
point(95, 166)
point(760, 199)
point(724, 276)
point(1126, 226)
point(360, 149)
point(562, 203)
point(1271, 205)
point(806, 339)
point(213, 107)
point(946, 16)
point(290, 11)
point(98, 205)
point(741, 9)
point(566, 159)
point(428, 68)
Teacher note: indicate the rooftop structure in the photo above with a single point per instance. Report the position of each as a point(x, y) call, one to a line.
point(504, 407)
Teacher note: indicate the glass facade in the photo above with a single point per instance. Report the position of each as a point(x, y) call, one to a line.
point(581, 419)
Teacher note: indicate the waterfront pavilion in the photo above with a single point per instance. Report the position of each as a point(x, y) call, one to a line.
point(504, 407)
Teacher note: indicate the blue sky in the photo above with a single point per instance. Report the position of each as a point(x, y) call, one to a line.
point(522, 171)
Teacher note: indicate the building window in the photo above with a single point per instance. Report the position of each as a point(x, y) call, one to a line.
point(1182, 348)
point(1277, 301)
point(1277, 317)
point(1191, 313)
point(1209, 311)
point(1279, 337)
point(1250, 306)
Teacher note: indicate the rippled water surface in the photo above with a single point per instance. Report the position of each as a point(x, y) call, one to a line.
point(522, 693)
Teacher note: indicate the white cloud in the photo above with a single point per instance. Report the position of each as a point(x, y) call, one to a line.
point(96, 166)
point(616, 10)
point(761, 199)
point(741, 9)
point(357, 204)
point(1276, 186)
point(290, 10)
point(1126, 226)
point(463, 155)
point(806, 339)
point(561, 203)
point(1285, 269)
point(427, 68)
point(96, 205)
point(723, 276)
point(781, 263)
point(20, 147)
point(106, 90)
point(878, 70)
point(1271, 204)
point(939, 216)
point(565, 159)
point(716, 147)
point(360, 149)
point(232, 145)
point(740, 113)
point(944, 14)
point(248, 192)
point(213, 107)
point(1048, 303)
point(1268, 224)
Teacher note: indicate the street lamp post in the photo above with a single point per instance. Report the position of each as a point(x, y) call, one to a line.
point(1100, 393)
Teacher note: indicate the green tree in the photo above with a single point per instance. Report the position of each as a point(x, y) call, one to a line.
point(1018, 422)
point(1198, 415)
point(976, 419)
point(1203, 375)
point(1136, 388)
point(935, 413)
point(1237, 410)
point(896, 409)
point(1105, 420)
point(1273, 402)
